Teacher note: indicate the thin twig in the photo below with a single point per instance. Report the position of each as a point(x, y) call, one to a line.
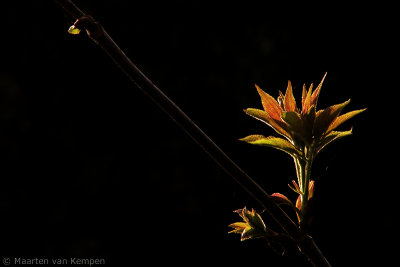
point(97, 33)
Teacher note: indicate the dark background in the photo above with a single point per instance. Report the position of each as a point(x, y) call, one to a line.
point(91, 168)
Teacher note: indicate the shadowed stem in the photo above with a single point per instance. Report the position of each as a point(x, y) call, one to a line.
point(307, 176)
point(97, 33)
point(303, 171)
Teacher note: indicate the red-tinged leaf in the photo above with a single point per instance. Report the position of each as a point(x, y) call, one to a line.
point(239, 211)
point(325, 117)
point(298, 202)
point(281, 199)
point(289, 100)
point(295, 188)
point(279, 126)
point(307, 101)
point(270, 105)
point(315, 95)
point(274, 142)
point(311, 187)
point(303, 95)
point(342, 118)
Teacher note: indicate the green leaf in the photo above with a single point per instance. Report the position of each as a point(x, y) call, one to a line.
point(308, 119)
point(342, 118)
point(274, 142)
point(298, 129)
point(73, 30)
point(257, 222)
point(252, 226)
point(251, 233)
point(294, 120)
point(332, 136)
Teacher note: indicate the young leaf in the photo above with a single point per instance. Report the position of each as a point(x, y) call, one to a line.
point(296, 188)
point(342, 118)
point(296, 125)
point(270, 105)
point(307, 100)
point(274, 142)
point(289, 100)
point(73, 30)
point(315, 94)
point(281, 199)
point(278, 126)
point(332, 136)
point(325, 117)
point(293, 119)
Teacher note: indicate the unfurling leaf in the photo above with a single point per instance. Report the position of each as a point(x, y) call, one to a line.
point(296, 188)
point(252, 226)
point(74, 30)
point(281, 199)
point(289, 100)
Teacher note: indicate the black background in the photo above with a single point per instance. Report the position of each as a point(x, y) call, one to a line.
point(91, 168)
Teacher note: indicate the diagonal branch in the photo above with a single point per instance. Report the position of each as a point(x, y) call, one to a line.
point(97, 33)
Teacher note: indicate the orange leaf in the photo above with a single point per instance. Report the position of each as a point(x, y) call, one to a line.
point(315, 95)
point(342, 118)
point(281, 199)
point(307, 101)
point(274, 142)
point(238, 226)
point(270, 105)
point(298, 202)
point(303, 95)
point(290, 101)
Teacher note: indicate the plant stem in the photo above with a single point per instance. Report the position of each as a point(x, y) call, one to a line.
point(97, 33)
point(298, 171)
point(305, 175)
